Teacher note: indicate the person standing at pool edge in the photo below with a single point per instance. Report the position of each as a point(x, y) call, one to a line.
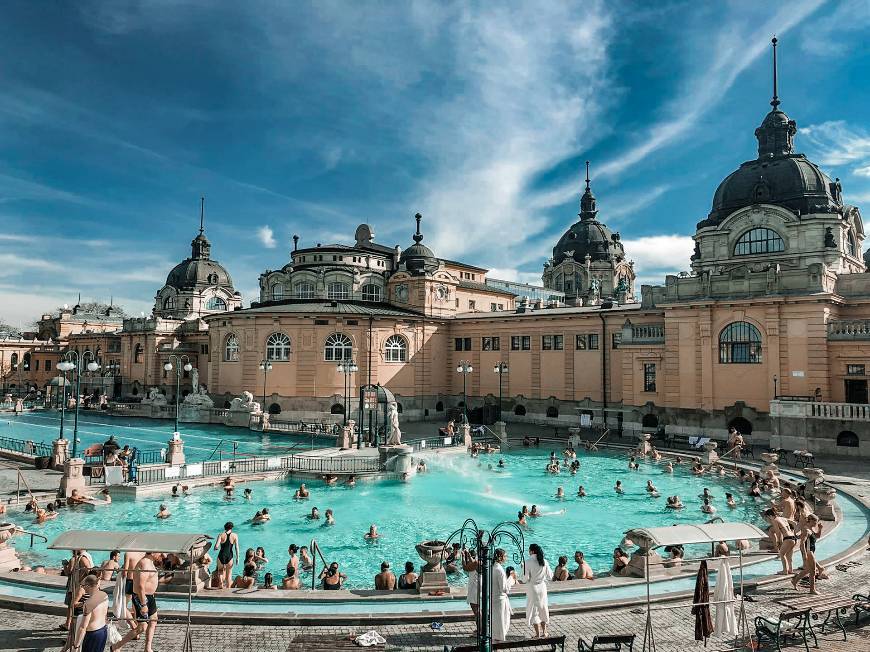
point(227, 545)
point(535, 579)
point(144, 604)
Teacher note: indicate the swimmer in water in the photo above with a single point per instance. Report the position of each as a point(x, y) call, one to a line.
point(521, 519)
point(330, 517)
point(229, 487)
point(534, 513)
point(351, 481)
point(560, 493)
point(707, 508)
point(618, 487)
point(247, 493)
point(163, 512)
point(668, 468)
point(314, 515)
point(501, 464)
point(372, 534)
point(581, 491)
point(262, 516)
point(729, 500)
point(651, 489)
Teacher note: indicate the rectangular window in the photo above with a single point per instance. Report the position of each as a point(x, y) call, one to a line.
point(617, 340)
point(36, 365)
point(649, 377)
point(593, 341)
point(472, 304)
point(457, 344)
point(527, 342)
point(467, 342)
point(48, 365)
point(203, 348)
point(501, 306)
point(855, 369)
point(547, 342)
point(515, 342)
point(580, 342)
point(493, 307)
point(558, 342)
point(489, 344)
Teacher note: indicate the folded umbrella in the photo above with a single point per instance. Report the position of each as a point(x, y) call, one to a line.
point(701, 608)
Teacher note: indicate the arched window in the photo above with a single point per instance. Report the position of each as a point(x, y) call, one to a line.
point(337, 291)
point(396, 349)
point(277, 292)
point(216, 303)
point(169, 303)
point(137, 353)
point(758, 241)
point(14, 360)
point(274, 409)
point(740, 343)
point(847, 438)
point(338, 347)
point(851, 247)
point(231, 348)
point(278, 347)
point(337, 408)
point(439, 406)
point(371, 292)
point(25, 362)
point(552, 412)
point(213, 279)
point(303, 290)
point(520, 410)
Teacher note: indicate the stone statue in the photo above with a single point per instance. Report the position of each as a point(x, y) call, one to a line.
point(395, 433)
point(154, 397)
point(199, 398)
point(194, 379)
point(622, 286)
point(829, 238)
point(244, 403)
point(595, 288)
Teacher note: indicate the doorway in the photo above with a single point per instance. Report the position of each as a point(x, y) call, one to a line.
point(856, 391)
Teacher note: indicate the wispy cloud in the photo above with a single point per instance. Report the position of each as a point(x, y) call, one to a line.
point(657, 255)
point(829, 35)
point(266, 237)
point(837, 143)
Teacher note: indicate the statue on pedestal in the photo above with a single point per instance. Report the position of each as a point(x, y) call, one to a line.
point(244, 403)
point(395, 433)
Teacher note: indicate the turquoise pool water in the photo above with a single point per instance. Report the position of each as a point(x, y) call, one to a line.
point(200, 440)
point(430, 506)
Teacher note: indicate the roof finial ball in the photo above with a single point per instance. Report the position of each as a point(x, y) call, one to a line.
point(418, 236)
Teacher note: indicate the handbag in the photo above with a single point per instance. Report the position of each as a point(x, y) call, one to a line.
point(113, 635)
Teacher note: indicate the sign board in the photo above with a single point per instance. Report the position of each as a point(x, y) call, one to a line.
point(585, 420)
point(797, 374)
point(370, 399)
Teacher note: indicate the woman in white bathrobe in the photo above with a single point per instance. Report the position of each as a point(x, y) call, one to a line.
point(535, 578)
point(500, 602)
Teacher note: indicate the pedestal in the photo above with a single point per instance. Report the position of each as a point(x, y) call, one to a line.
point(814, 476)
point(175, 451)
point(465, 432)
point(825, 502)
point(8, 556)
point(643, 448)
point(770, 460)
point(710, 454)
point(432, 576)
point(396, 459)
point(59, 453)
point(500, 430)
point(72, 478)
point(637, 564)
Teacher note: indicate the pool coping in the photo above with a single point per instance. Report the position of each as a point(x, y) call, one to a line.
point(369, 596)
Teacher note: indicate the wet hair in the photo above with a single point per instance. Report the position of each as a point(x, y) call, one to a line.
point(228, 526)
point(267, 579)
point(292, 548)
point(519, 514)
point(535, 550)
point(409, 567)
point(563, 560)
point(291, 570)
point(767, 513)
point(114, 554)
point(499, 554)
point(265, 510)
point(385, 565)
point(261, 549)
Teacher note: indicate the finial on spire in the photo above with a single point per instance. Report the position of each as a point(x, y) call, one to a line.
point(587, 175)
point(775, 101)
point(295, 242)
point(418, 236)
point(201, 214)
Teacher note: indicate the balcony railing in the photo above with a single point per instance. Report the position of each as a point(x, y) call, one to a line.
point(642, 333)
point(849, 329)
point(819, 410)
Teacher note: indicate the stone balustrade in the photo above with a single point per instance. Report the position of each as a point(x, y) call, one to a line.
point(819, 410)
point(849, 329)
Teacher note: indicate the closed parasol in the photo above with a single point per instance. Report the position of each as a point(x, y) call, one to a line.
point(701, 608)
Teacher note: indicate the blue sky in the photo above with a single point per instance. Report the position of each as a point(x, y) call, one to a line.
point(310, 118)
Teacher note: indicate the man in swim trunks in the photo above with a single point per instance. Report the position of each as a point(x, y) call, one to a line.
point(144, 605)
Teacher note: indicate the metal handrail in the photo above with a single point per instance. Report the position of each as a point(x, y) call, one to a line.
point(316, 550)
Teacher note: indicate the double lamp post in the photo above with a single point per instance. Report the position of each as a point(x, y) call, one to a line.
point(178, 359)
point(75, 360)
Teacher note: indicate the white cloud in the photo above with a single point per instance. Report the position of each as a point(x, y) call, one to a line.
point(266, 237)
point(837, 143)
point(862, 171)
point(827, 36)
point(512, 274)
point(657, 255)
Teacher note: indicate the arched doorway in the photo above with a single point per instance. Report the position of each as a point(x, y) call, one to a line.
point(337, 408)
point(520, 410)
point(848, 439)
point(650, 421)
point(743, 426)
point(553, 412)
point(274, 409)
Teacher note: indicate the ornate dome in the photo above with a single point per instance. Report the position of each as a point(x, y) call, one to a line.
point(418, 258)
point(588, 236)
point(199, 269)
point(778, 176)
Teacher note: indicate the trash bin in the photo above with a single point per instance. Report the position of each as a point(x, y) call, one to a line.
point(41, 462)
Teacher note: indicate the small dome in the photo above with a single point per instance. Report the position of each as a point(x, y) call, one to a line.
point(418, 258)
point(588, 236)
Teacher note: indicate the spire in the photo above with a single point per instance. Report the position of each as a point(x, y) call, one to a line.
point(587, 201)
point(418, 237)
point(776, 133)
point(295, 242)
point(775, 101)
point(201, 214)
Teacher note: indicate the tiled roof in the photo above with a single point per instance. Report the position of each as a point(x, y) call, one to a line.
point(302, 307)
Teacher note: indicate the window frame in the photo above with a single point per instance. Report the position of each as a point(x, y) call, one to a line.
point(309, 293)
point(278, 347)
point(372, 296)
point(336, 342)
point(754, 246)
point(276, 292)
point(490, 343)
point(396, 349)
point(343, 295)
point(748, 349)
point(209, 305)
point(231, 337)
point(649, 376)
point(580, 342)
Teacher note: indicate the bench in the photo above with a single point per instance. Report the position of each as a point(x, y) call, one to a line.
point(790, 624)
point(548, 644)
point(607, 643)
point(830, 605)
point(862, 605)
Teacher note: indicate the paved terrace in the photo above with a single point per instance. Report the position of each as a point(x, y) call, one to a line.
point(674, 629)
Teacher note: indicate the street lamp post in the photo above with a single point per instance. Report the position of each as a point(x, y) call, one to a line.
point(347, 367)
point(501, 368)
point(464, 368)
point(178, 367)
point(69, 365)
point(266, 367)
point(775, 379)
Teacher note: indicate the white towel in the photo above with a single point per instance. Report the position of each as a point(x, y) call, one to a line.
point(726, 619)
point(369, 639)
point(114, 475)
point(119, 598)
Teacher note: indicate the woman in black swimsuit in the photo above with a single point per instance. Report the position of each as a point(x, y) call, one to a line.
point(408, 579)
point(331, 579)
point(810, 532)
point(227, 545)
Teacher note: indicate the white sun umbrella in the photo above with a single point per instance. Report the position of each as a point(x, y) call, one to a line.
point(723, 596)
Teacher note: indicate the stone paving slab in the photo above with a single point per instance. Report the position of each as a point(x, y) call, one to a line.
point(674, 629)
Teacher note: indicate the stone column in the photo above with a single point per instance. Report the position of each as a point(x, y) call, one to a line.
point(73, 477)
point(432, 576)
point(175, 451)
point(59, 453)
